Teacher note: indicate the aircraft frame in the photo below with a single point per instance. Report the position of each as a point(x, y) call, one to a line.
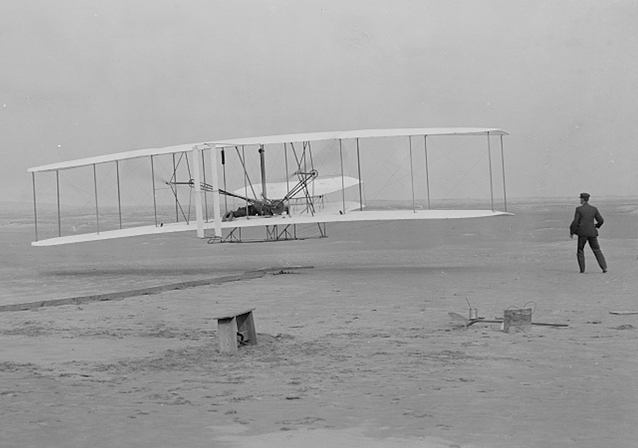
point(201, 163)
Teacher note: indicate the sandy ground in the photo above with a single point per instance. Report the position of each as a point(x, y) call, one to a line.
point(355, 349)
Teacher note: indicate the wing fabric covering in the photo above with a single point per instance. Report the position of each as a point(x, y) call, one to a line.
point(353, 216)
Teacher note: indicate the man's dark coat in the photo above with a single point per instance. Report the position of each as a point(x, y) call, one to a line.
point(583, 223)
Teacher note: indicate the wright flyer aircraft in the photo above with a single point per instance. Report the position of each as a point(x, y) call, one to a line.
point(273, 188)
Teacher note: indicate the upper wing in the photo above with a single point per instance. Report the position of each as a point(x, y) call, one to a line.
point(116, 157)
point(363, 133)
point(272, 139)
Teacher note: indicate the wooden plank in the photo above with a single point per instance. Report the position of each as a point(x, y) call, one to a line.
point(227, 335)
point(246, 326)
point(231, 314)
point(248, 275)
point(233, 326)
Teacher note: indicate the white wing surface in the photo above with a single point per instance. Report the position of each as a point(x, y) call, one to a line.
point(283, 220)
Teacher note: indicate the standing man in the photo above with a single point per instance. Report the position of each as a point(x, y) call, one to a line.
point(583, 226)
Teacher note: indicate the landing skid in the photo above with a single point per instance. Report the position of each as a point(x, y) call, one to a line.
point(273, 233)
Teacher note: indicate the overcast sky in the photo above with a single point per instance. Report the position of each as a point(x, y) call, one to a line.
point(81, 78)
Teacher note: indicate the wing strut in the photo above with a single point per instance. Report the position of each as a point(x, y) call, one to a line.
point(489, 156)
point(35, 206)
point(247, 181)
point(199, 215)
point(57, 191)
point(304, 170)
point(119, 195)
point(154, 199)
point(262, 163)
point(503, 168)
point(204, 180)
point(412, 173)
point(427, 171)
point(97, 210)
point(343, 188)
point(286, 165)
point(223, 157)
point(173, 182)
point(177, 206)
point(359, 174)
point(217, 217)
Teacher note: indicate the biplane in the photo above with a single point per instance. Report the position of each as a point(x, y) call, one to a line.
point(282, 184)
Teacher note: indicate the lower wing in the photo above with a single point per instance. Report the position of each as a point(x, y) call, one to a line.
point(277, 220)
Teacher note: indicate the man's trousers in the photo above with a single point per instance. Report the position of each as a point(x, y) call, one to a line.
point(580, 252)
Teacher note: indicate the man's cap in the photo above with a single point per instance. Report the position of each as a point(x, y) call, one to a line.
point(584, 196)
